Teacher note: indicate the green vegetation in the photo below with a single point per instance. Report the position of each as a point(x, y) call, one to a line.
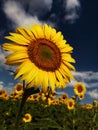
point(48, 113)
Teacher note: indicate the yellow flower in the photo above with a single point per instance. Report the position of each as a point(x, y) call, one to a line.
point(18, 88)
point(3, 95)
point(79, 89)
point(64, 96)
point(55, 102)
point(95, 103)
point(43, 56)
point(33, 97)
point(27, 118)
point(70, 104)
point(89, 106)
point(81, 96)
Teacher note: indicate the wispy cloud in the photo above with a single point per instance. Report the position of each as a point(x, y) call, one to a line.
point(1, 85)
point(3, 66)
point(37, 7)
point(30, 12)
point(2, 58)
point(72, 8)
point(93, 94)
point(15, 12)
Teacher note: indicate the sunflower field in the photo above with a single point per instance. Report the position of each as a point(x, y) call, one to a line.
point(47, 111)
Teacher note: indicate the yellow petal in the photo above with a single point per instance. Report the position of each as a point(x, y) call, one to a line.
point(66, 71)
point(37, 31)
point(69, 65)
point(52, 80)
point(14, 47)
point(67, 57)
point(47, 31)
point(23, 68)
point(23, 32)
point(45, 82)
point(14, 62)
point(29, 32)
point(16, 40)
point(19, 36)
point(39, 78)
point(53, 33)
point(61, 44)
point(67, 49)
point(65, 75)
point(58, 75)
point(57, 37)
point(31, 75)
point(17, 56)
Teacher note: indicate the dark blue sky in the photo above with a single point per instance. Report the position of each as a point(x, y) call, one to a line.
point(82, 34)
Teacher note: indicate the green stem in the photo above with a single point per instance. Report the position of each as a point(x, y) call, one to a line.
point(26, 94)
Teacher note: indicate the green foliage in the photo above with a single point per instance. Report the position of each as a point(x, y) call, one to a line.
point(47, 117)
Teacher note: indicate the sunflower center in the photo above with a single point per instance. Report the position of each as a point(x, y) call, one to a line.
point(70, 104)
point(27, 117)
point(80, 89)
point(45, 54)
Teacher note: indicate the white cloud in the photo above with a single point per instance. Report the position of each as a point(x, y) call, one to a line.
point(86, 75)
point(2, 58)
point(93, 93)
point(1, 85)
point(25, 12)
point(37, 7)
point(18, 15)
point(72, 7)
point(72, 4)
point(3, 54)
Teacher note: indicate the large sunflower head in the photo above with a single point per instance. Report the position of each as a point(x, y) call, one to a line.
point(43, 56)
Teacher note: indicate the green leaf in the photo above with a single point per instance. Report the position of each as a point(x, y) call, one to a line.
point(1, 127)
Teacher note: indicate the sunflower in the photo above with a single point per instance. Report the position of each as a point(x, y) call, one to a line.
point(70, 104)
point(81, 96)
point(65, 96)
point(27, 118)
point(95, 103)
point(79, 89)
point(89, 106)
point(18, 88)
point(3, 94)
point(43, 56)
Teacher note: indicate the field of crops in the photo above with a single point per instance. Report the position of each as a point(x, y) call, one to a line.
point(46, 111)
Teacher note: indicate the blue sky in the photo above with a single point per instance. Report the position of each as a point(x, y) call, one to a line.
point(78, 21)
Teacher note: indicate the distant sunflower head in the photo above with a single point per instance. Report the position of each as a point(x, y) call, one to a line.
point(43, 56)
point(65, 96)
point(89, 106)
point(70, 104)
point(27, 118)
point(79, 89)
point(81, 96)
point(18, 88)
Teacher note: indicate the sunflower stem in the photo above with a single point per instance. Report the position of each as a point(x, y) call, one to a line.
point(26, 94)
